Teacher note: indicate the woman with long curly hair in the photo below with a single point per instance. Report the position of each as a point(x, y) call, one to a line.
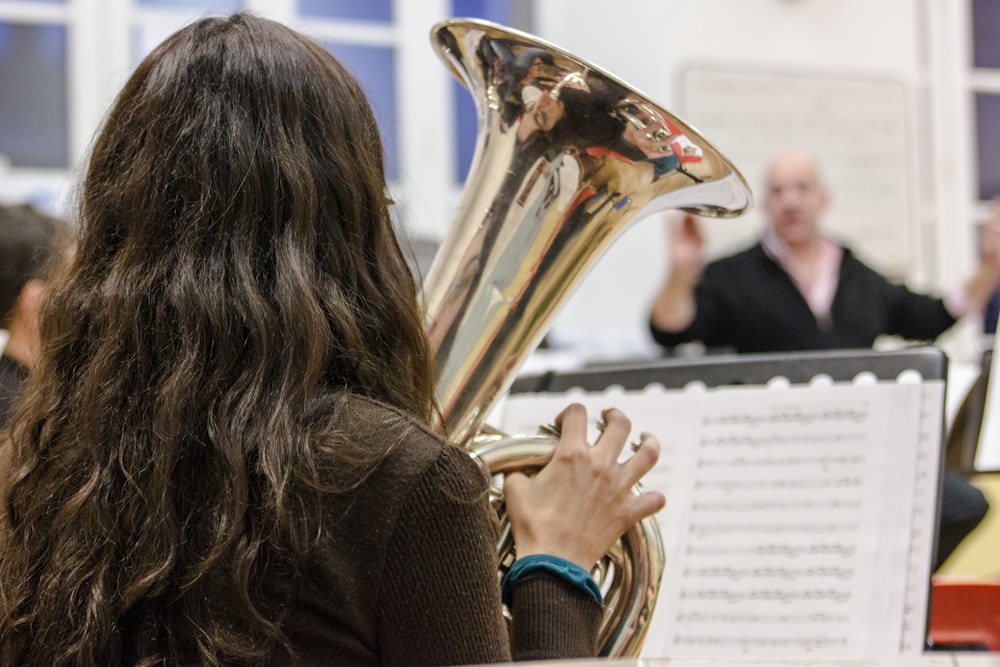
point(221, 457)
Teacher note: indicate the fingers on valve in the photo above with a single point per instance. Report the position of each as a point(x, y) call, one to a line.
point(616, 425)
point(572, 418)
point(649, 502)
point(645, 453)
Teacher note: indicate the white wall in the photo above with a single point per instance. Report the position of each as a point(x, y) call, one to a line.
point(651, 43)
point(919, 44)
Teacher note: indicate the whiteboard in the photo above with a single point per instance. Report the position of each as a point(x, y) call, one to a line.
point(859, 129)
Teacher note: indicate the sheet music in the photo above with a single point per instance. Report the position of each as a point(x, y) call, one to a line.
point(925, 660)
point(784, 507)
point(924, 515)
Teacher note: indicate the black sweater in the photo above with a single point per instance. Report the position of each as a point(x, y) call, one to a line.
point(408, 575)
point(748, 303)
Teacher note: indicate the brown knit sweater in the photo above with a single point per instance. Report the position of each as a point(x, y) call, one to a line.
point(408, 572)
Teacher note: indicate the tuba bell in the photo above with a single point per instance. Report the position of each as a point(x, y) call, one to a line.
point(567, 157)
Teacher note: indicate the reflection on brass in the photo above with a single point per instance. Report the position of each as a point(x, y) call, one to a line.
point(567, 157)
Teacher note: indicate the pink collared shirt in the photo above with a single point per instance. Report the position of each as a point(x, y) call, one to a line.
point(817, 287)
point(820, 290)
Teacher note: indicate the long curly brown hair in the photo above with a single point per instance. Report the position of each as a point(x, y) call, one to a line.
point(237, 274)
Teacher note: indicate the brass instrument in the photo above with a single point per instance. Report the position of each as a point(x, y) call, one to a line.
point(567, 157)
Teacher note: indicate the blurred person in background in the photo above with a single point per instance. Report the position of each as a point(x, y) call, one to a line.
point(798, 289)
point(28, 240)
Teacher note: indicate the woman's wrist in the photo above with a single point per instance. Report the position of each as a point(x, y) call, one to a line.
point(540, 564)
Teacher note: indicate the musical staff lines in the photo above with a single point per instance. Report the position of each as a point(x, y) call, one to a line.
point(770, 572)
point(783, 515)
point(775, 551)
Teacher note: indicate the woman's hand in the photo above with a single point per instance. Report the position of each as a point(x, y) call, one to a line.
point(581, 502)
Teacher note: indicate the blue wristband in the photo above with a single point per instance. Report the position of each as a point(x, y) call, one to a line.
point(560, 567)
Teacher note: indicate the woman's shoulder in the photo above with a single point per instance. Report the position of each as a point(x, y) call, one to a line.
point(369, 419)
point(413, 452)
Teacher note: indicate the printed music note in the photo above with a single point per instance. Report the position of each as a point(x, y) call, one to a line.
point(783, 514)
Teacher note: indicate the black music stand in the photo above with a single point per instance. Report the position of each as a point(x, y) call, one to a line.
point(737, 369)
point(962, 442)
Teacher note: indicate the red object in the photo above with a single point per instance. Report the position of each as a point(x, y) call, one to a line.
point(965, 612)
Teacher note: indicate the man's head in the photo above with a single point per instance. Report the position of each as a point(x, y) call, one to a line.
point(795, 197)
point(542, 110)
point(28, 238)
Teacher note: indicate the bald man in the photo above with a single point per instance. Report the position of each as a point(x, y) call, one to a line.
point(797, 289)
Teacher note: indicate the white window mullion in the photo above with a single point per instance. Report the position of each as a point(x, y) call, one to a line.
point(98, 64)
point(950, 149)
point(427, 142)
point(284, 11)
point(14, 12)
